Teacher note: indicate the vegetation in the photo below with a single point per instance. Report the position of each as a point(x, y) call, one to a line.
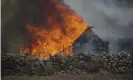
point(82, 63)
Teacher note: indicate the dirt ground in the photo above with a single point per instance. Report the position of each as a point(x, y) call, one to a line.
point(71, 77)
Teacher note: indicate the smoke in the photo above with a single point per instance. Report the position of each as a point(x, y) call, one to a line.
point(111, 19)
point(13, 28)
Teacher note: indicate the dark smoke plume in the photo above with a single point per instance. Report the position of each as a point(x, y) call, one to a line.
point(112, 19)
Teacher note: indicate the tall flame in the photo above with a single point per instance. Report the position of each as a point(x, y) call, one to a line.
point(62, 28)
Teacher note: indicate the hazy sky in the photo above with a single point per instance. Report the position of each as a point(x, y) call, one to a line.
point(110, 21)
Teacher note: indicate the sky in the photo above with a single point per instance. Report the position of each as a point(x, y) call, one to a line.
point(110, 20)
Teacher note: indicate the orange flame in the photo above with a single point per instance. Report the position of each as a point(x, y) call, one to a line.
point(57, 35)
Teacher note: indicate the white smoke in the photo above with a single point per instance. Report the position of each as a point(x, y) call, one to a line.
point(110, 21)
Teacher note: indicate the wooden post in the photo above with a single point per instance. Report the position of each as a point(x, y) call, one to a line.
point(30, 44)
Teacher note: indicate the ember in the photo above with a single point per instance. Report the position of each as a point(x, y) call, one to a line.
point(62, 28)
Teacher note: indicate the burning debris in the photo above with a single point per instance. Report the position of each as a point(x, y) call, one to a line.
point(62, 28)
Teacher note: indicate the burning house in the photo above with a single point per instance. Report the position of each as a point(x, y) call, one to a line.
point(52, 27)
point(91, 43)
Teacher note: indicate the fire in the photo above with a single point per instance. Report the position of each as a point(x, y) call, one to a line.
point(61, 29)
